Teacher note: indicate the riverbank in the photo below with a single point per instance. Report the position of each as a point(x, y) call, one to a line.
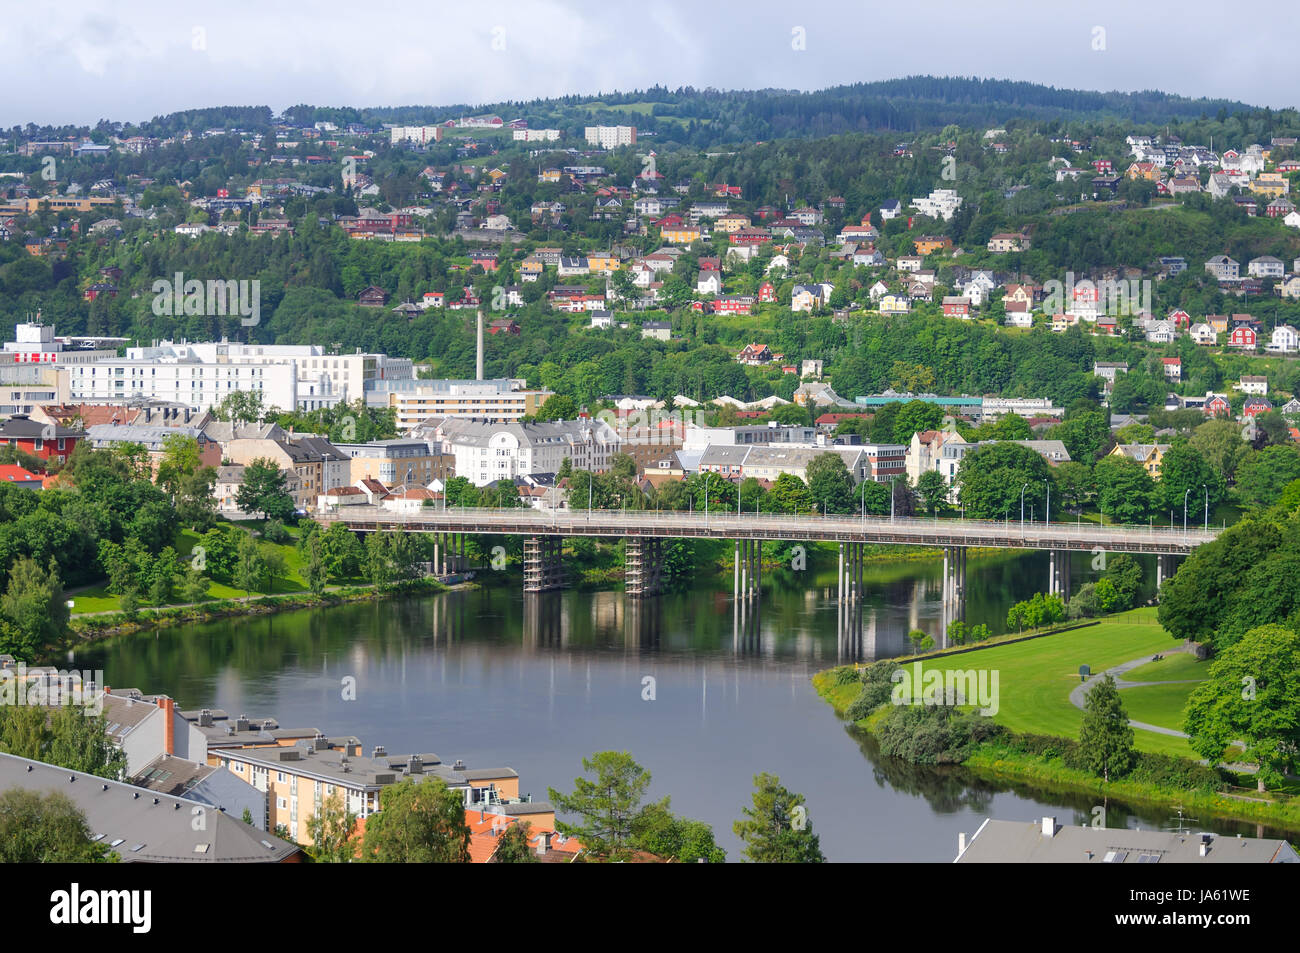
point(1041, 723)
point(88, 627)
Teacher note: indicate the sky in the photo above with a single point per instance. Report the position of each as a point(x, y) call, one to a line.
point(79, 61)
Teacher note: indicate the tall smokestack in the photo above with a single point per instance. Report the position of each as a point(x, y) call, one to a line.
point(478, 365)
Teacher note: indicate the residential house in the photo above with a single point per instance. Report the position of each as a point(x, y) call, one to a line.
point(1149, 455)
point(929, 244)
point(45, 440)
point(1286, 340)
point(1256, 384)
point(1243, 336)
point(956, 307)
point(1173, 367)
point(1254, 406)
point(1265, 266)
point(1223, 268)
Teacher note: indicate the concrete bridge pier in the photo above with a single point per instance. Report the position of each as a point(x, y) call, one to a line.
point(954, 586)
point(1058, 573)
point(543, 563)
point(1166, 566)
point(852, 562)
point(643, 560)
point(748, 582)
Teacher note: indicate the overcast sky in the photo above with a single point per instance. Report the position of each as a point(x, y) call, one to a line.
point(77, 61)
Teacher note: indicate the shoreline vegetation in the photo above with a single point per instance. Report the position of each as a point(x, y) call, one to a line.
point(1035, 744)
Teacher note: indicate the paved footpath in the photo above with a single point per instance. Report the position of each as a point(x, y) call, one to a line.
point(1080, 692)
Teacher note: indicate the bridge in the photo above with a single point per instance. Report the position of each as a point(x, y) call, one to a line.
point(645, 530)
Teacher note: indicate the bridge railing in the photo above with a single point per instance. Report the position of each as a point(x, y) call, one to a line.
point(791, 523)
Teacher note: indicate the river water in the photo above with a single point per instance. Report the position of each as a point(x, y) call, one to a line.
point(703, 700)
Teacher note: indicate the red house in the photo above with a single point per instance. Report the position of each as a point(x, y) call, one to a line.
point(1256, 405)
point(733, 304)
point(487, 260)
point(47, 441)
point(1180, 318)
point(1243, 336)
point(1217, 406)
point(955, 307)
point(766, 292)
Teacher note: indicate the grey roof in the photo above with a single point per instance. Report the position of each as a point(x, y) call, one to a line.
point(335, 766)
point(1018, 842)
point(151, 437)
point(224, 431)
point(168, 774)
point(123, 714)
point(148, 827)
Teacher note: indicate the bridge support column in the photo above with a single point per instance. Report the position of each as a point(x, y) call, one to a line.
point(839, 579)
point(643, 566)
point(1166, 566)
point(954, 587)
point(735, 585)
point(1058, 573)
point(543, 563)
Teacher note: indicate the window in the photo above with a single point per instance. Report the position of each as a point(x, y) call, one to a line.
point(281, 803)
point(279, 777)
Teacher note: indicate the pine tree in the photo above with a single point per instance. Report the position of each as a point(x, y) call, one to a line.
point(776, 830)
point(1106, 737)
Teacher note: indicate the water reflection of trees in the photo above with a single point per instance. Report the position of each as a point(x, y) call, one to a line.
point(946, 789)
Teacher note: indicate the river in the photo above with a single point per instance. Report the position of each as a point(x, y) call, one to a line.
point(492, 677)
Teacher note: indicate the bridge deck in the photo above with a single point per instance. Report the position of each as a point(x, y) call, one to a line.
point(843, 529)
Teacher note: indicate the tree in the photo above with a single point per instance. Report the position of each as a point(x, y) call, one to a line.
point(1073, 485)
point(331, 829)
point(1086, 435)
point(250, 564)
point(1220, 443)
point(1264, 474)
point(660, 832)
point(1125, 574)
point(241, 406)
point(608, 804)
point(49, 829)
point(933, 490)
point(180, 458)
point(916, 416)
point(1106, 737)
point(1125, 491)
point(558, 407)
point(313, 567)
point(776, 828)
point(419, 822)
point(789, 494)
point(264, 491)
point(830, 484)
point(990, 480)
point(33, 609)
point(1185, 477)
point(1252, 695)
point(513, 847)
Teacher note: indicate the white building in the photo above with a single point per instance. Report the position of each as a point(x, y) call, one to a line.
point(185, 381)
point(416, 134)
point(1286, 340)
point(610, 137)
point(485, 453)
point(536, 135)
point(941, 203)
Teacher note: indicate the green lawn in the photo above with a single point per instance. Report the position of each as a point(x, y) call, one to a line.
point(1171, 668)
point(1035, 677)
point(1157, 704)
point(99, 599)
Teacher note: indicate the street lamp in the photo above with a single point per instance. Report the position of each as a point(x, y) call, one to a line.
point(1022, 507)
point(1185, 493)
point(1048, 517)
point(1206, 488)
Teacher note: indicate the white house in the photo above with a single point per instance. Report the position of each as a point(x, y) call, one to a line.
point(1203, 334)
point(1286, 340)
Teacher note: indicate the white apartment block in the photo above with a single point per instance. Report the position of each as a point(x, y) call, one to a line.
point(610, 137)
point(941, 203)
point(189, 382)
point(417, 134)
point(415, 401)
point(536, 135)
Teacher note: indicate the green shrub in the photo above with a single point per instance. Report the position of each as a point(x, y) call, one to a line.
point(934, 734)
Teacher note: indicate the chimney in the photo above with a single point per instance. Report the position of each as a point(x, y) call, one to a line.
point(1049, 827)
point(205, 718)
point(543, 843)
point(241, 723)
point(168, 707)
point(478, 365)
point(415, 765)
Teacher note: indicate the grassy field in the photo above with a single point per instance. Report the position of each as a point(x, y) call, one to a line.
point(99, 599)
point(1157, 704)
point(1035, 677)
point(1171, 668)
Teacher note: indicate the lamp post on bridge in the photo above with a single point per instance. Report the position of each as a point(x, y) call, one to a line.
point(1185, 494)
point(1022, 507)
point(1206, 488)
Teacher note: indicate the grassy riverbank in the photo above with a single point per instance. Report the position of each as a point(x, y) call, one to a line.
point(1035, 679)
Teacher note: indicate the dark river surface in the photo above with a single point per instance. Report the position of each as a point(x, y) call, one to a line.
point(537, 683)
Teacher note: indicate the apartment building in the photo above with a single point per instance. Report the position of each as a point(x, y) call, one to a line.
point(610, 137)
point(487, 452)
point(298, 779)
point(415, 401)
point(395, 462)
point(318, 464)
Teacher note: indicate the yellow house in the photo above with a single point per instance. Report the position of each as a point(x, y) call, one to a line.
point(1144, 170)
point(1149, 455)
point(602, 261)
point(1271, 184)
point(681, 234)
point(894, 304)
point(928, 244)
point(549, 175)
point(731, 223)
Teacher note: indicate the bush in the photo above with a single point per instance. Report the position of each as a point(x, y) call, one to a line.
point(846, 675)
point(934, 734)
point(274, 532)
point(877, 686)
